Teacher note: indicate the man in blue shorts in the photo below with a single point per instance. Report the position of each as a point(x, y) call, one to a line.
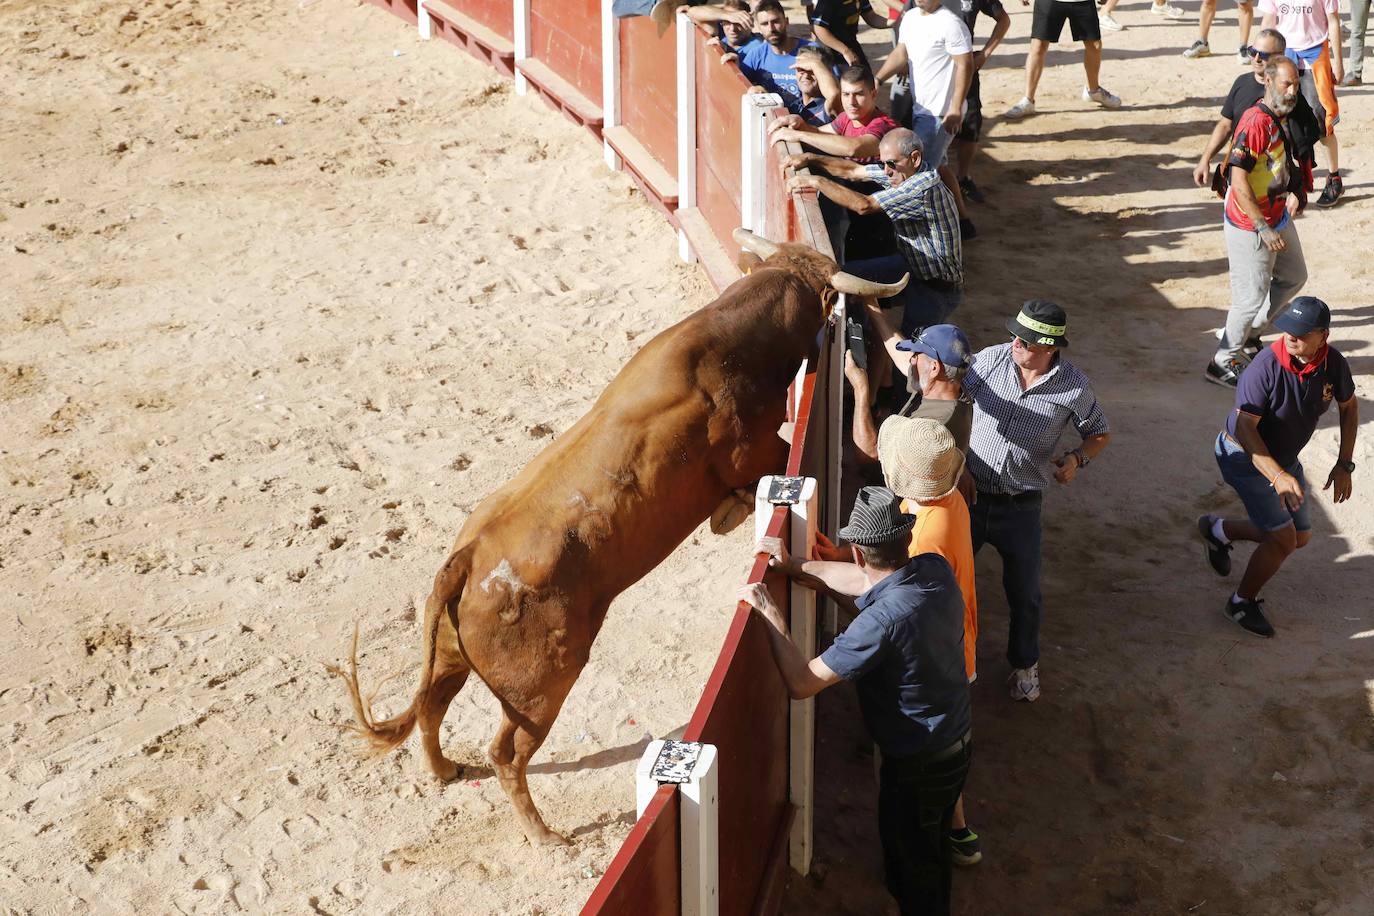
point(1280, 397)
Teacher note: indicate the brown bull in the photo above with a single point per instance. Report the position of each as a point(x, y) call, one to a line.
point(691, 419)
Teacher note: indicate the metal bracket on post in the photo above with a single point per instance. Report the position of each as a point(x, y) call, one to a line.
point(522, 43)
point(422, 20)
point(800, 494)
point(610, 79)
point(754, 109)
point(686, 125)
point(691, 766)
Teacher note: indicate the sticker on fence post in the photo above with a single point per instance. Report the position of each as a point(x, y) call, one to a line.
point(690, 766)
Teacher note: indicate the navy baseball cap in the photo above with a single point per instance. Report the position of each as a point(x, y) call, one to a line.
point(1304, 315)
point(943, 342)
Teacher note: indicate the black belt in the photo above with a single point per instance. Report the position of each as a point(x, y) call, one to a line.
point(944, 286)
point(1024, 498)
point(950, 751)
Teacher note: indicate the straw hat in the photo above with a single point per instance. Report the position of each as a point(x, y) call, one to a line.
point(919, 458)
point(877, 518)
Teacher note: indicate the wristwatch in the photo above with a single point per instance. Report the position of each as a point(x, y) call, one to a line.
point(1347, 466)
point(1082, 458)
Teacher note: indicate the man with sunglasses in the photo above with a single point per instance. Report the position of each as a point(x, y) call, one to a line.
point(1025, 395)
point(924, 219)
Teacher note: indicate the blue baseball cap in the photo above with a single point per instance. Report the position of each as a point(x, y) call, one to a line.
point(943, 342)
point(1304, 315)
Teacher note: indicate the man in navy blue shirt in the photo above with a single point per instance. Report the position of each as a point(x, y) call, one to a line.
point(768, 63)
point(904, 653)
point(1279, 399)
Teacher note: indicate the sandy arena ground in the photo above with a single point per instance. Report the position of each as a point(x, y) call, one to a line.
point(281, 305)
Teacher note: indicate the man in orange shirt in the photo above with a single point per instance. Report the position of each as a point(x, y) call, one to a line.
point(922, 465)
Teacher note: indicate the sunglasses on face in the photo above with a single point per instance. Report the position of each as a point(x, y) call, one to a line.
point(891, 163)
point(1259, 55)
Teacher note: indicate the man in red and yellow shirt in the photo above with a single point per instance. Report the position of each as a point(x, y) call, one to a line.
point(1266, 191)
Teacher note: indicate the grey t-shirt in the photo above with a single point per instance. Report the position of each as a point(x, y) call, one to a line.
point(955, 416)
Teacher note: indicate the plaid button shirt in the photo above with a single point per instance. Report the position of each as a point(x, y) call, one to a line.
point(1015, 431)
point(926, 223)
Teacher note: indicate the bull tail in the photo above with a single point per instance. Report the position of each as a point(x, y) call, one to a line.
point(388, 734)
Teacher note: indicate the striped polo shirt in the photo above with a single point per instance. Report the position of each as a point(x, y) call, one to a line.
point(926, 223)
point(1015, 431)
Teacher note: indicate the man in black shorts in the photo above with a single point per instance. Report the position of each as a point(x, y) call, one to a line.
point(1046, 27)
point(966, 141)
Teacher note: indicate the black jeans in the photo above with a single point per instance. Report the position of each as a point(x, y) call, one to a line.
point(1012, 526)
point(915, 807)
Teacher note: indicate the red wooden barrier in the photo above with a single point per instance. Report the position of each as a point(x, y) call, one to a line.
point(477, 28)
point(497, 15)
point(646, 138)
point(719, 87)
point(645, 878)
point(566, 36)
point(403, 8)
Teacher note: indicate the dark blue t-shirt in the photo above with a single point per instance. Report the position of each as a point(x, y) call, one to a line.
point(905, 654)
point(1287, 404)
point(774, 71)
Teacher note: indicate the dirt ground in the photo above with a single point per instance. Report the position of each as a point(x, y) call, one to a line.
point(286, 293)
point(1174, 763)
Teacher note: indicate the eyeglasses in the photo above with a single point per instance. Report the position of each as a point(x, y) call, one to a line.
point(1259, 55)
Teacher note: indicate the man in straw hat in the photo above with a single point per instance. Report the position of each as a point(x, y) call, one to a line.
point(1281, 396)
point(1025, 394)
point(904, 652)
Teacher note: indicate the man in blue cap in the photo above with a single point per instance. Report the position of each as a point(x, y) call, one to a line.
point(934, 362)
point(1281, 396)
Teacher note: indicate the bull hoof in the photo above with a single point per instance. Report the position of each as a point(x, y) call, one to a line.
point(546, 837)
point(445, 770)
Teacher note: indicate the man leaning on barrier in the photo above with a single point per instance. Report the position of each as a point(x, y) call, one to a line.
point(924, 219)
point(904, 653)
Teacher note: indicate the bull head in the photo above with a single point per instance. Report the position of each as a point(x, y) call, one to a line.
point(839, 280)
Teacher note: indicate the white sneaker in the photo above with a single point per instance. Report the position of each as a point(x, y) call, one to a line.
point(1108, 22)
point(1101, 96)
point(1025, 683)
point(1167, 10)
point(1021, 109)
point(1198, 49)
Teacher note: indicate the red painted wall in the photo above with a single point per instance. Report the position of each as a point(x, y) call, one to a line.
point(648, 87)
point(719, 87)
point(566, 36)
point(497, 15)
point(645, 877)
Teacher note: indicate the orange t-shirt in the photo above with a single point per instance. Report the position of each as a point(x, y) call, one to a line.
point(943, 527)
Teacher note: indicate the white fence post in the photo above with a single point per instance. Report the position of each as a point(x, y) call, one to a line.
point(422, 20)
point(522, 43)
point(754, 108)
point(610, 79)
point(686, 125)
point(802, 715)
point(692, 767)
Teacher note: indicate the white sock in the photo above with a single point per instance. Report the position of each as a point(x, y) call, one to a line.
point(1236, 598)
point(1219, 532)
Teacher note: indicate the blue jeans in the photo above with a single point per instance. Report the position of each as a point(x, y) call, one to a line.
point(1262, 503)
point(1012, 526)
point(923, 304)
point(915, 808)
point(935, 139)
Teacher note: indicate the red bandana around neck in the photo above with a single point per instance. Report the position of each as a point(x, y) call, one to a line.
point(1287, 361)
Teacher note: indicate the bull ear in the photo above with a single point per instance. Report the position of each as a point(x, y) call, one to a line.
point(857, 286)
point(755, 243)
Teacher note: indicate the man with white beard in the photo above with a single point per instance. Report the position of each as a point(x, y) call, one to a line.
point(1267, 190)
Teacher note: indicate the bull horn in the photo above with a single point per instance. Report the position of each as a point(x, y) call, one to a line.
point(857, 286)
point(755, 243)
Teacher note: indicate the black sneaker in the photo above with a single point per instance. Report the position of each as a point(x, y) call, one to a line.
point(1332, 192)
point(1218, 554)
point(964, 847)
point(967, 231)
point(1226, 376)
point(1249, 616)
point(1252, 347)
point(971, 190)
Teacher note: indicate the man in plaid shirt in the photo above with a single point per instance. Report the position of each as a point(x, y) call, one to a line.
point(924, 219)
point(1025, 394)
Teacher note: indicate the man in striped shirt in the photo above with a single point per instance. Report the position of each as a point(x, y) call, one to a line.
point(1025, 394)
point(924, 218)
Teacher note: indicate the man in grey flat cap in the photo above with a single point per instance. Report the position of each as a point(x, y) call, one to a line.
point(904, 653)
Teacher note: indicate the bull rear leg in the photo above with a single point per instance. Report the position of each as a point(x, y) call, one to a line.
point(448, 680)
point(516, 741)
